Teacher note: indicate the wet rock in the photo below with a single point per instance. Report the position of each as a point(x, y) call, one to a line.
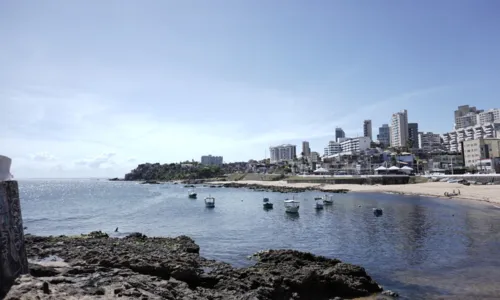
point(390, 294)
point(141, 267)
point(280, 189)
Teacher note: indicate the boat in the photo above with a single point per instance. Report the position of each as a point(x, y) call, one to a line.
point(319, 204)
point(267, 204)
point(292, 206)
point(210, 202)
point(192, 194)
point(328, 200)
point(378, 211)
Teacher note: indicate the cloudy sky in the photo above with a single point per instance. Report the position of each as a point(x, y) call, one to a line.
point(92, 88)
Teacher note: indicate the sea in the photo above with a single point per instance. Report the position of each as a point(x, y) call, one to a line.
point(422, 248)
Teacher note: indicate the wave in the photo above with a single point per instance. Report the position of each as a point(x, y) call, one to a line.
point(71, 218)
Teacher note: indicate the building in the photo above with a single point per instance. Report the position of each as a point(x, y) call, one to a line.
point(428, 141)
point(480, 149)
point(452, 140)
point(339, 133)
point(333, 148)
point(367, 128)
point(465, 116)
point(355, 145)
point(489, 116)
point(306, 150)
point(384, 135)
point(413, 135)
point(211, 160)
point(399, 129)
point(282, 153)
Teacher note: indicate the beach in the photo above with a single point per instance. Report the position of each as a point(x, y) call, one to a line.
point(488, 193)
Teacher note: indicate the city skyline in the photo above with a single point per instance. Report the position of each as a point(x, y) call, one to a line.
point(92, 88)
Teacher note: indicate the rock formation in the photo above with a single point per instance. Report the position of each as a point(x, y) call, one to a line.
point(138, 267)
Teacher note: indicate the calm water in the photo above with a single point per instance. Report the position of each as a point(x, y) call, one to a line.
point(423, 248)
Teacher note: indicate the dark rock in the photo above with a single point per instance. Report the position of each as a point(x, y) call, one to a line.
point(390, 294)
point(42, 271)
point(136, 235)
point(280, 189)
point(170, 268)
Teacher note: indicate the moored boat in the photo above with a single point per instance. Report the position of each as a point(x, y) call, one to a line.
point(267, 204)
point(192, 195)
point(210, 202)
point(292, 206)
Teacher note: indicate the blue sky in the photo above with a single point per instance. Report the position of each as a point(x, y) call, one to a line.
point(92, 88)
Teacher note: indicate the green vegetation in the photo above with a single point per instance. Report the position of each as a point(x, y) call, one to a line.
point(173, 171)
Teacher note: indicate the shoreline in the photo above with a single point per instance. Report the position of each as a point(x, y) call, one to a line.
point(477, 193)
point(140, 267)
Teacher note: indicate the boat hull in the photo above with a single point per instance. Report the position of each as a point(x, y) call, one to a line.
point(292, 210)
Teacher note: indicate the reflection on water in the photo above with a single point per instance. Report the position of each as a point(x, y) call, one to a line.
point(422, 248)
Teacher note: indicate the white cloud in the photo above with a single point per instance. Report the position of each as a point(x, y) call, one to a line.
point(43, 156)
point(103, 160)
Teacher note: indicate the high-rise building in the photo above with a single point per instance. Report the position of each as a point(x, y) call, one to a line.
point(489, 116)
point(384, 135)
point(428, 141)
point(211, 160)
point(413, 135)
point(452, 140)
point(333, 148)
point(367, 128)
point(339, 133)
point(465, 116)
point(306, 150)
point(283, 153)
point(399, 129)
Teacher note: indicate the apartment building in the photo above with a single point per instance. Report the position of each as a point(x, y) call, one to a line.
point(465, 116)
point(384, 135)
point(489, 116)
point(355, 145)
point(339, 133)
point(428, 141)
point(399, 129)
point(452, 140)
point(283, 152)
point(480, 149)
point(333, 148)
point(306, 150)
point(367, 128)
point(413, 134)
point(211, 160)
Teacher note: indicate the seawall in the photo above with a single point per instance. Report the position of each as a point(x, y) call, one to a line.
point(373, 179)
point(13, 259)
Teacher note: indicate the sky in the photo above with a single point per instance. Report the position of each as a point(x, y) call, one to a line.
point(93, 88)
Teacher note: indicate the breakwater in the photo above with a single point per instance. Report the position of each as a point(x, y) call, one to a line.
point(13, 261)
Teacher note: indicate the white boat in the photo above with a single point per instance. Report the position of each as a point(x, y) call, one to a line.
point(210, 202)
point(292, 206)
point(319, 204)
point(192, 194)
point(328, 200)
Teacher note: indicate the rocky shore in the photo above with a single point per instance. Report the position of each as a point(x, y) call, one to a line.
point(280, 189)
point(96, 266)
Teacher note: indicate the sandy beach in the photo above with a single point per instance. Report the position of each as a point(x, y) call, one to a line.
point(488, 193)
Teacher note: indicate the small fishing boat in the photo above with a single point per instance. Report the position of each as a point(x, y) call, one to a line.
point(210, 202)
point(318, 204)
point(378, 211)
point(192, 195)
point(267, 204)
point(328, 200)
point(292, 206)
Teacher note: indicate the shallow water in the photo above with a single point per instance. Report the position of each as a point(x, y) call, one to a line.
point(423, 248)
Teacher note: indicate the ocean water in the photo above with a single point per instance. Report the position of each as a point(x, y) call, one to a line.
point(421, 247)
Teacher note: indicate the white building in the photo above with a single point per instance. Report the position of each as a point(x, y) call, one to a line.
point(333, 148)
point(355, 145)
point(429, 141)
point(465, 116)
point(489, 116)
point(452, 140)
point(367, 129)
point(282, 153)
point(399, 129)
point(211, 160)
